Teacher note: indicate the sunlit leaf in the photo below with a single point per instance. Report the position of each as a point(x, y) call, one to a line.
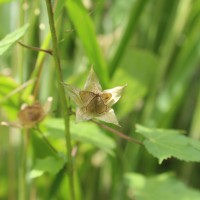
point(49, 164)
point(11, 38)
point(164, 143)
point(58, 9)
point(7, 86)
point(137, 69)
point(5, 1)
point(91, 134)
point(132, 94)
point(141, 65)
point(9, 98)
point(133, 18)
point(164, 186)
point(84, 132)
point(40, 148)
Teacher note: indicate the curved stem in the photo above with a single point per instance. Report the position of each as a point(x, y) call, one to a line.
point(118, 133)
point(35, 48)
point(46, 140)
point(64, 103)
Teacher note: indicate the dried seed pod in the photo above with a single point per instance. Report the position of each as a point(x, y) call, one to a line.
point(92, 102)
point(31, 115)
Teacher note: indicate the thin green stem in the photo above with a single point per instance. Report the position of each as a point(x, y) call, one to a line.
point(20, 53)
point(11, 165)
point(64, 103)
point(46, 141)
point(22, 169)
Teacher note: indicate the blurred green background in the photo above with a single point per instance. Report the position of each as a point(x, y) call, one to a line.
point(151, 45)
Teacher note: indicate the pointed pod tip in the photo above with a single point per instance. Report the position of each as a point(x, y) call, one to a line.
point(3, 123)
point(50, 99)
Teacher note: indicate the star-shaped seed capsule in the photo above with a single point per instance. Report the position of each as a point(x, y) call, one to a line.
point(93, 102)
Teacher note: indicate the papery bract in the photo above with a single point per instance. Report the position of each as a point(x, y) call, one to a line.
point(93, 102)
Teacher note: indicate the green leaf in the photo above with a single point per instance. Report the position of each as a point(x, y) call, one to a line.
point(141, 65)
point(180, 68)
point(45, 160)
point(48, 164)
point(11, 38)
point(9, 97)
point(85, 132)
point(137, 73)
point(40, 148)
point(164, 143)
point(134, 16)
point(164, 186)
point(91, 133)
point(7, 86)
point(85, 29)
point(133, 93)
point(58, 9)
point(5, 1)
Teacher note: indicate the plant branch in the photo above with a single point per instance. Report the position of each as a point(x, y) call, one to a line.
point(18, 89)
point(118, 133)
point(64, 103)
point(46, 140)
point(35, 48)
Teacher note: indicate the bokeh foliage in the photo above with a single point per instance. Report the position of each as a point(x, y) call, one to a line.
point(154, 47)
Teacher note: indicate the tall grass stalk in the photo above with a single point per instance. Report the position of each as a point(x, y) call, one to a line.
point(23, 189)
point(64, 103)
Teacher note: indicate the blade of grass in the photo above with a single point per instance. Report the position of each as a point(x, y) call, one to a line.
point(177, 60)
point(85, 28)
point(184, 68)
point(133, 19)
point(195, 127)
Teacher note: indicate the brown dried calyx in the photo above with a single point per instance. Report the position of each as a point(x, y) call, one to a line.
point(31, 115)
point(93, 101)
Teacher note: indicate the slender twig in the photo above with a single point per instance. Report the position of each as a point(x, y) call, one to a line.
point(120, 134)
point(13, 92)
point(64, 103)
point(35, 48)
point(46, 140)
